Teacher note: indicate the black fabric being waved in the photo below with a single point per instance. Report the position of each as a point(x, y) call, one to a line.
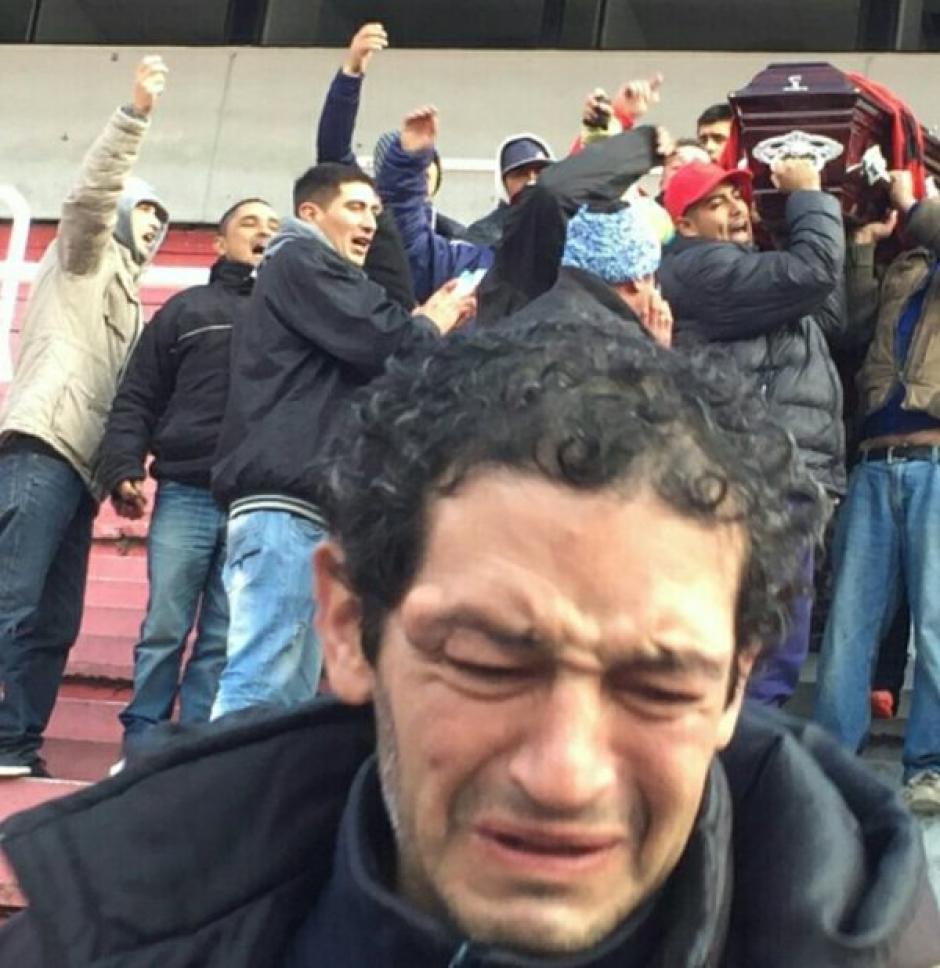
point(222, 849)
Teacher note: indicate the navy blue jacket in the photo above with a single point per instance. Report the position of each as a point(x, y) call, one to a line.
point(433, 258)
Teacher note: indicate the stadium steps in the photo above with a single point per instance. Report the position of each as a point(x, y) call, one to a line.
point(84, 734)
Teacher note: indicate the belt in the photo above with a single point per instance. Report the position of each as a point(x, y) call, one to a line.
point(901, 452)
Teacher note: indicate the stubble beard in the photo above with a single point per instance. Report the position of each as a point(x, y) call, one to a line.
point(413, 884)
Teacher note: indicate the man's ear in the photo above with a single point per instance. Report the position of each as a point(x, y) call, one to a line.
point(741, 664)
point(308, 211)
point(218, 243)
point(686, 227)
point(339, 627)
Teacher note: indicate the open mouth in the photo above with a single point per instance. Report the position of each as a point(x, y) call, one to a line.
point(257, 248)
point(361, 243)
point(149, 238)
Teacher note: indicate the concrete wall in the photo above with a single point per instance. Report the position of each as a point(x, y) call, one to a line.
point(238, 121)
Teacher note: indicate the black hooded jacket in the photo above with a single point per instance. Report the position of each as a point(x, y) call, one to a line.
point(318, 329)
point(528, 257)
point(776, 314)
point(172, 398)
point(257, 842)
point(579, 296)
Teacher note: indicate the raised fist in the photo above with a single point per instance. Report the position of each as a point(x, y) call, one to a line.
point(795, 175)
point(419, 128)
point(368, 39)
point(636, 97)
point(149, 83)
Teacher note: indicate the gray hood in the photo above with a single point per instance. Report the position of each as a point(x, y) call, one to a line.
point(292, 229)
point(136, 190)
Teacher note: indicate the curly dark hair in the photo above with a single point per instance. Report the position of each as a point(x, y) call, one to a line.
point(584, 405)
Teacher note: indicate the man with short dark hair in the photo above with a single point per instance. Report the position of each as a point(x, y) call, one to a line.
point(713, 129)
point(317, 329)
point(555, 553)
point(774, 313)
point(83, 319)
point(170, 403)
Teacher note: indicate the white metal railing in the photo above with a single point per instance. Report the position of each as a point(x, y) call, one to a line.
point(11, 272)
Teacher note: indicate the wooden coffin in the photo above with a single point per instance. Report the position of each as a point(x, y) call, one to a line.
point(818, 99)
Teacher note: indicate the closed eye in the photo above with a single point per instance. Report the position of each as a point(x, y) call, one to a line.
point(492, 673)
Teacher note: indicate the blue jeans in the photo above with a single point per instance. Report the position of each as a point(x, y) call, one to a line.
point(46, 516)
point(273, 653)
point(185, 554)
point(889, 525)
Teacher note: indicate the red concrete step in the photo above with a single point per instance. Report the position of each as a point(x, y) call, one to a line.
point(95, 689)
point(97, 656)
point(124, 562)
point(127, 593)
point(80, 759)
point(22, 793)
point(85, 718)
point(112, 620)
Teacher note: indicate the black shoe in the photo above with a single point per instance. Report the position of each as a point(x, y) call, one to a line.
point(38, 769)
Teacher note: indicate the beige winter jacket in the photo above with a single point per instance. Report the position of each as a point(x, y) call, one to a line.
point(906, 274)
point(84, 316)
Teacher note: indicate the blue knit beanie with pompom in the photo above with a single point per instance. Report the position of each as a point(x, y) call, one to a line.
point(619, 246)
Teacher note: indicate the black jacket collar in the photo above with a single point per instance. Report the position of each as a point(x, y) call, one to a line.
point(232, 275)
point(572, 280)
point(683, 926)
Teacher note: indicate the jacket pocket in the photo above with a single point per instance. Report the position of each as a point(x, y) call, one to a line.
point(79, 422)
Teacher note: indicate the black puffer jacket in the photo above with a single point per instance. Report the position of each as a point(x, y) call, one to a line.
point(776, 313)
point(214, 851)
point(172, 398)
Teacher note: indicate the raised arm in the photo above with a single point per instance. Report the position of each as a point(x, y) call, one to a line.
point(338, 117)
point(733, 293)
point(402, 185)
point(89, 212)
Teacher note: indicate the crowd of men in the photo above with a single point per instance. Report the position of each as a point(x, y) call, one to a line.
point(548, 531)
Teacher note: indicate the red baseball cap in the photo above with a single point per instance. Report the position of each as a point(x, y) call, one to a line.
point(693, 181)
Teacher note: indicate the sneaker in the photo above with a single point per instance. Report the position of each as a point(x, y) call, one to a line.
point(922, 792)
point(882, 704)
point(12, 769)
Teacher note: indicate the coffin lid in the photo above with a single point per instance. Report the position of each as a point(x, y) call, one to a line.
point(793, 79)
